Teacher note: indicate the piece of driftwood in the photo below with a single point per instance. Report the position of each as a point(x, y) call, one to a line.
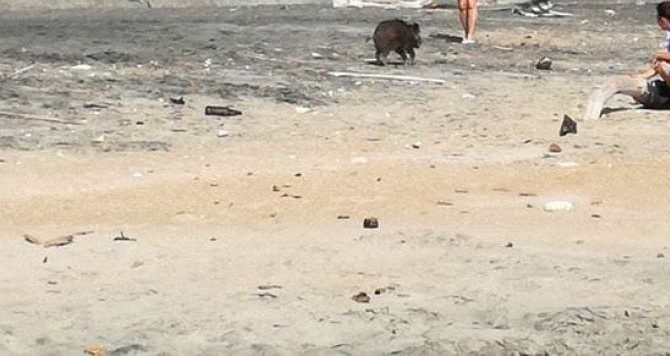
point(629, 85)
point(386, 77)
point(29, 117)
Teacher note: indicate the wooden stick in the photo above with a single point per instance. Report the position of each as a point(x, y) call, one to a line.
point(29, 117)
point(631, 86)
point(388, 77)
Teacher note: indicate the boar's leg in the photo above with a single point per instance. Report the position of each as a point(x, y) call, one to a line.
point(412, 55)
point(378, 56)
point(402, 54)
point(384, 56)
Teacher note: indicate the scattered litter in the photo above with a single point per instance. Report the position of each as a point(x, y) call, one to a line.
point(558, 206)
point(555, 148)
point(286, 195)
point(178, 101)
point(537, 8)
point(544, 64)
point(610, 12)
point(361, 297)
point(123, 238)
point(221, 111)
point(567, 164)
point(31, 239)
point(222, 133)
point(137, 175)
point(302, 110)
point(526, 194)
point(81, 67)
point(269, 286)
point(568, 126)
point(370, 223)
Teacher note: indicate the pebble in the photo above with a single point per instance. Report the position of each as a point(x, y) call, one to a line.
point(371, 223)
point(555, 148)
point(361, 297)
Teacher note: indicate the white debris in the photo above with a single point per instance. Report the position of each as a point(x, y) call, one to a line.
point(302, 110)
point(558, 205)
point(99, 139)
point(82, 67)
point(610, 12)
point(222, 133)
point(137, 175)
point(316, 55)
point(567, 164)
point(469, 96)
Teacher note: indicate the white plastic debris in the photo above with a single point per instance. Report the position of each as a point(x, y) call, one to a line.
point(81, 67)
point(567, 164)
point(558, 205)
point(222, 133)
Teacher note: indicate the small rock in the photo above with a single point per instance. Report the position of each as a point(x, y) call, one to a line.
point(178, 101)
point(99, 139)
point(302, 110)
point(316, 55)
point(543, 64)
point(96, 351)
point(469, 96)
point(660, 255)
point(509, 245)
point(137, 264)
point(370, 223)
point(568, 126)
point(361, 297)
point(416, 145)
point(558, 206)
point(222, 133)
point(555, 148)
point(596, 216)
point(343, 217)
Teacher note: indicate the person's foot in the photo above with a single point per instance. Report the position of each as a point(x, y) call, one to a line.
point(467, 41)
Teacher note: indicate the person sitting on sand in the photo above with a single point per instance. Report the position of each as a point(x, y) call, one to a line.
point(650, 88)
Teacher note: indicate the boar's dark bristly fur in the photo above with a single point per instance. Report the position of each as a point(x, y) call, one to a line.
point(396, 35)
